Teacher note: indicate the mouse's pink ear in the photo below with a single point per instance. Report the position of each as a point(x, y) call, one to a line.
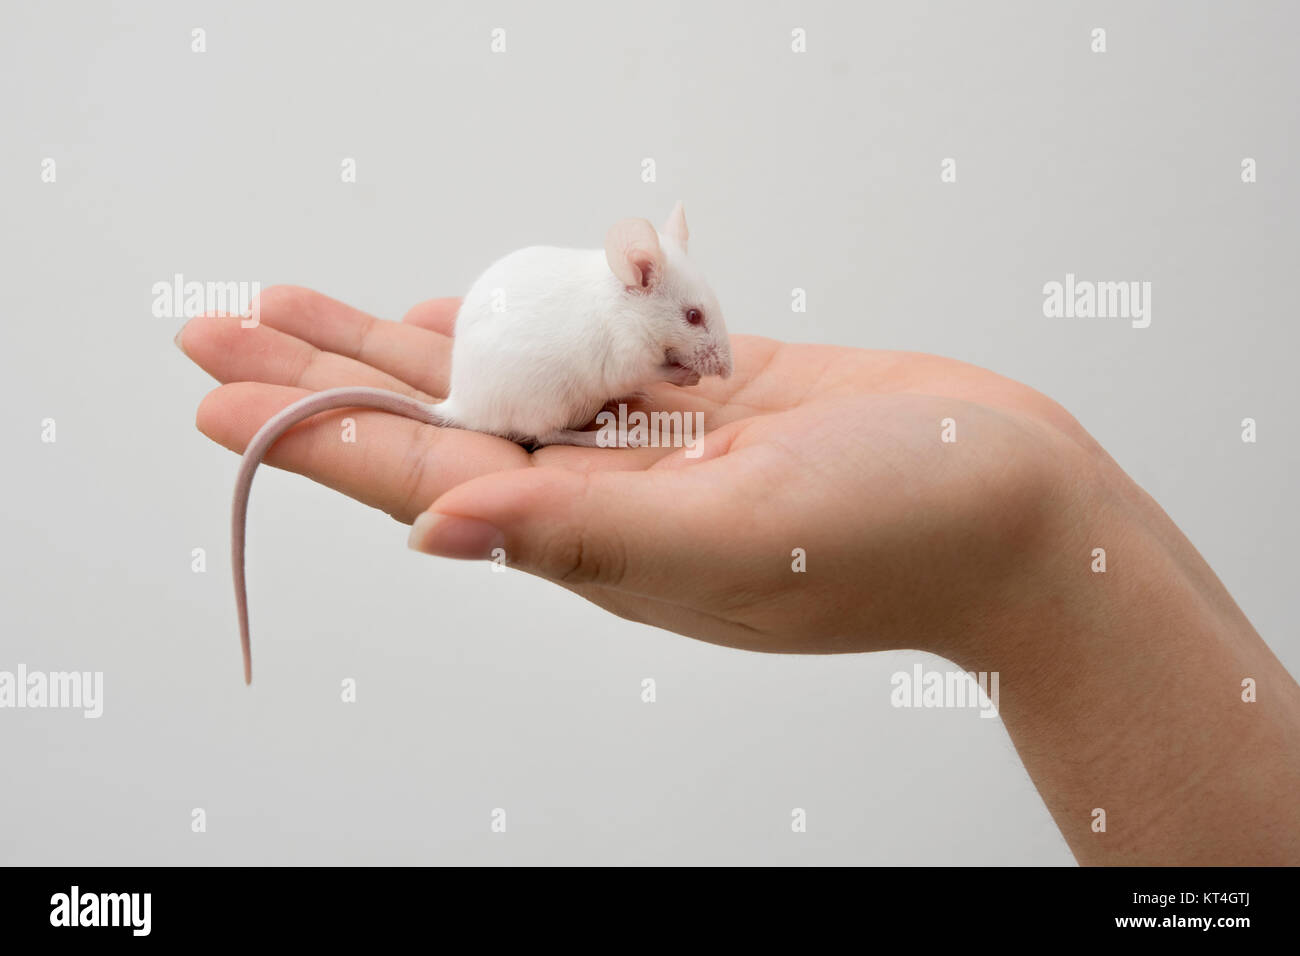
point(676, 225)
point(632, 249)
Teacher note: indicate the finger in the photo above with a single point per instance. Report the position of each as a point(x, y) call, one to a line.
point(392, 463)
point(227, 351)
point(409, 354)
point(657, 533)
point(578, 458)
point(436, 315)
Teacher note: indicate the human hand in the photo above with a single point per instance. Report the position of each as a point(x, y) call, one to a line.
point(977, 549)
point(837, 452)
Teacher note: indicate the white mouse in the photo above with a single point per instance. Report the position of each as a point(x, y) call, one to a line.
point(544, 339)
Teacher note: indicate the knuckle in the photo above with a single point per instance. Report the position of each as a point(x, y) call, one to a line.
point(303, 371)
point(415, 467)
point(365, 329)
point(584, 558)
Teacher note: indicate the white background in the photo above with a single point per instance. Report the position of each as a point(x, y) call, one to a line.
point(479, 690)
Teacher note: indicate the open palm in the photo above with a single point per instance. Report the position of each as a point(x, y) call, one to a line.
point(831, 509)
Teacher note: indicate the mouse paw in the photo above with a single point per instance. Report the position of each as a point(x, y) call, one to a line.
point(634, 398)
point(567, 436)
point(675, 374)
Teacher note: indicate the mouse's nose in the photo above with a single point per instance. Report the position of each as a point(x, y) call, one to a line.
point(713, 360)
point(723, 366)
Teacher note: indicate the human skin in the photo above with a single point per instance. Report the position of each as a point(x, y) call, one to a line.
point(1122, 690)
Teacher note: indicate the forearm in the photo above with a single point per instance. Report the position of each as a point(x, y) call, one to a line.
point(1123, 692)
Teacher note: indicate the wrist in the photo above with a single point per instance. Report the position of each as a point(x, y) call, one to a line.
point(1121, 685)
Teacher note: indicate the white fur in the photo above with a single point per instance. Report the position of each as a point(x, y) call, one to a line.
point(569, 338)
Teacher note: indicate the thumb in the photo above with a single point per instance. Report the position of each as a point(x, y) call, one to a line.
point(639, 531)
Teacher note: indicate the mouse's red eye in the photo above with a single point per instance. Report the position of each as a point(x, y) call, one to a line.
point(695, 316)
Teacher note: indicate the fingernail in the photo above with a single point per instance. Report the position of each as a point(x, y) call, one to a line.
point(177, 340)
point(450, 536)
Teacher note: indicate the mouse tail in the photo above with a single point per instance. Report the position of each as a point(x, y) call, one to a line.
point(267, 436)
